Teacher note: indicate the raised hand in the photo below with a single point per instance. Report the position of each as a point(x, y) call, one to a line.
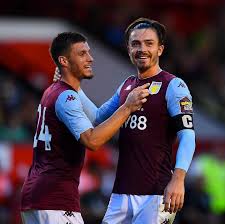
point(137, 97)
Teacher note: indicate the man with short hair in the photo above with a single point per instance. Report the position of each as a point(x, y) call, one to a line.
point(147, 188)
point(50, 192)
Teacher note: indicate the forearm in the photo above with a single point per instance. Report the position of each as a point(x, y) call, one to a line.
point(103, 132)
point(179, 174)
point(186, 149)
point(95, 114)
point(96, 137)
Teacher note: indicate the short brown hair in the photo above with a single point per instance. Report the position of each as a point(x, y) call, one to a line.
point(61, 44)
point(145, 23)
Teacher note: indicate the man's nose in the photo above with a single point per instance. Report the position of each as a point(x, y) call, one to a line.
point(90, 58)
point(142, 47)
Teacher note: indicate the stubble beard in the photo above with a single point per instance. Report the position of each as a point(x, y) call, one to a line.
point(88, 77)
point(144, 68)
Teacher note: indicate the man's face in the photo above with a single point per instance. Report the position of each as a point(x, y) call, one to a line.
point(144, 49)
point(80, 61)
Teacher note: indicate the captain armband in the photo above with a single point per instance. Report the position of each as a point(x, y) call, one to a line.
point(183, 121)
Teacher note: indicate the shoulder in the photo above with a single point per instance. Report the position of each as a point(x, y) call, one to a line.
point(68, 96)
point(177, 85)
point(129, 79)
point(166, 76)
point(126, 82)
point(55, 89)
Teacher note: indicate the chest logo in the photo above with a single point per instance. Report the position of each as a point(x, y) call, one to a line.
point(155, 87)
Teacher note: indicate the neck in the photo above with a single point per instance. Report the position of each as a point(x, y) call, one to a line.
point(71, 80)
point(150, 72)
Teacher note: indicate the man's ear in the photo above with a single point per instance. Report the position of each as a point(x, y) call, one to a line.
point(160, 50)
point(63, 61)
point(129, 53)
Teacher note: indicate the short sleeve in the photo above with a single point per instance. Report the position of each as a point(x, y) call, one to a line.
point(178, 97)
point(69, 110)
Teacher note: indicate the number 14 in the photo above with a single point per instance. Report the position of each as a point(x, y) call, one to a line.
point(44, 134)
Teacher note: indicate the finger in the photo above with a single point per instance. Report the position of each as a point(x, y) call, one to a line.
point(181, 202)
point(172, 203)
point(167, 201)
point(144, 86)
point(145, 91)
point(143, 100)
point(144, 94)
point(177, 204)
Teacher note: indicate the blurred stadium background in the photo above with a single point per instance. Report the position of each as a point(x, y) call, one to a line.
point(195, 51)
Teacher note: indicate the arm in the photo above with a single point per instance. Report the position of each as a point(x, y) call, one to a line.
point(72, 115)
point(98, 115)
point(179, 104)
point(89, 107)
point(95, 114)
point(103, 132)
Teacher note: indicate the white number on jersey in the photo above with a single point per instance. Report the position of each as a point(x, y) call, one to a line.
point(136, 122)
point(44, 134)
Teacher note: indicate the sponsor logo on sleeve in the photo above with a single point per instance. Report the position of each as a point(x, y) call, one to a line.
point(155, 87)
point(181, 84)
point(70, 98)
point(186, 105)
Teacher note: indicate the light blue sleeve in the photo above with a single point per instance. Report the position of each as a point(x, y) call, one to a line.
point(178, 93)
point(98, 115)
point(109, 107)
point(69, 110)
point(186, 148)
point(89, 107)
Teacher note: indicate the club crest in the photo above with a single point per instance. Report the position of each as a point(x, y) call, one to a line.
point(154, 87)
point(186, 105)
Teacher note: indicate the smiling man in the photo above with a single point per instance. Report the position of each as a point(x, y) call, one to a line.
point(50, 192)
point(147, 188)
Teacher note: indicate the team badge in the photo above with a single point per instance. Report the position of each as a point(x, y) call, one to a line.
point(186, 105)
point(154, 87)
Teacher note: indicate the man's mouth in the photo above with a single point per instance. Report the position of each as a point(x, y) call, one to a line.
point(88, 67)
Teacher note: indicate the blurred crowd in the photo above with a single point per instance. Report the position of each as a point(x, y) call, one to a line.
point(195, 47)
point(195, 51)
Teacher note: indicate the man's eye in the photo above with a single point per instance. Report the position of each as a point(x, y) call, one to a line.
point(82, 53)
point(149, 43)
point(134, 44)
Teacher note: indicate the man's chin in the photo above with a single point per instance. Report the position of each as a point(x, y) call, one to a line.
point(89, 76)
point(143, 68)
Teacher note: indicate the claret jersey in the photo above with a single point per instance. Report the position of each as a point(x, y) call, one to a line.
point(53, 179)
point(146, 138)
